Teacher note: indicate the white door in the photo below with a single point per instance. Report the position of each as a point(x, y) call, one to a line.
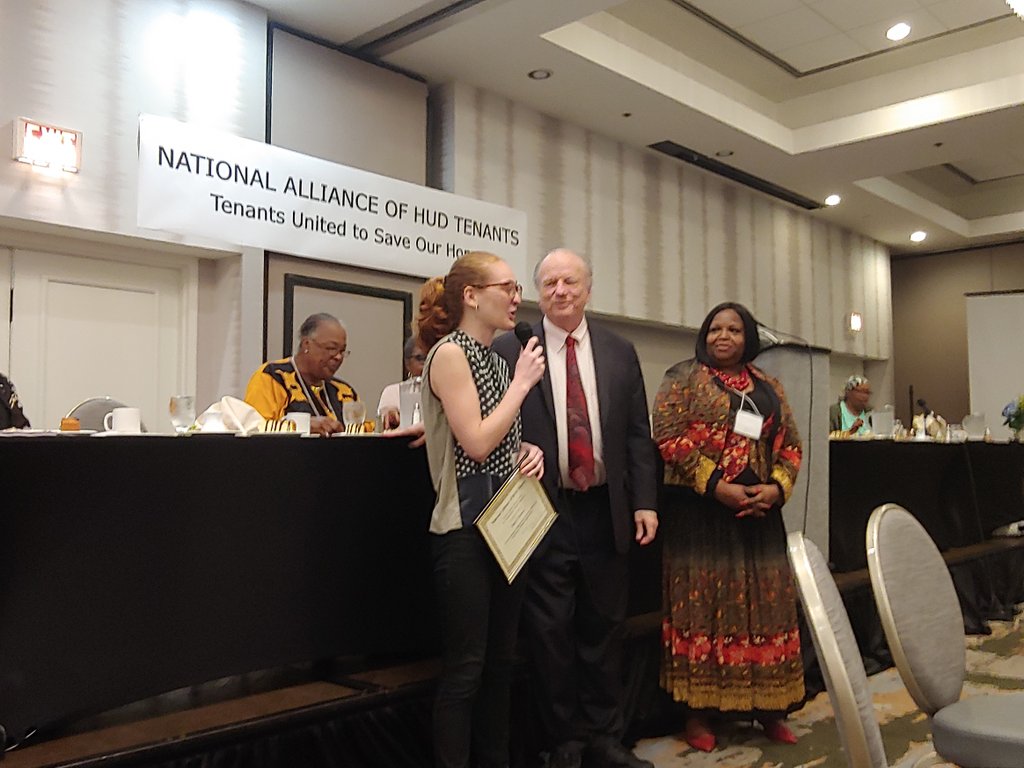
point(5, 310)
point(85, 327)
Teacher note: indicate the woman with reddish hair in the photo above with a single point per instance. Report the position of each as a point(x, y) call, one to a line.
point(470, 406)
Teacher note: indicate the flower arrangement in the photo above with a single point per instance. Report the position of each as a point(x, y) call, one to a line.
point(1013, 414)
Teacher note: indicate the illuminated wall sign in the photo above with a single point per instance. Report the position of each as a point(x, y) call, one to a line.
point(47, 146)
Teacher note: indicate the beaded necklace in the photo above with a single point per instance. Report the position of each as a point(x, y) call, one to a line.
point(740, 382)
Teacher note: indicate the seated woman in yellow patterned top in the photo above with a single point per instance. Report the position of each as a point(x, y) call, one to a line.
point(304, 382)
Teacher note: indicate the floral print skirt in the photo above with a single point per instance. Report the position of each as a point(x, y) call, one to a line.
point(729, 634)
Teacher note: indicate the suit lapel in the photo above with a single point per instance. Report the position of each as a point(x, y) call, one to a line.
point(603, 370)
point(545, 383)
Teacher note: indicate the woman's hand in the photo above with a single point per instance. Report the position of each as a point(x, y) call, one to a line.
point(531, 460)
point(415, 431)
point(530, 366)
point(760, 499)
point(732, 495)
point(391, 418)
point(325, 426)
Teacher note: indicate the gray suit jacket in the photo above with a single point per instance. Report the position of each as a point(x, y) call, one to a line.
point(629, 452)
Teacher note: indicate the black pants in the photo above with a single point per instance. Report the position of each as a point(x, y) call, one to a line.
point(479, 620)
point(573, 618)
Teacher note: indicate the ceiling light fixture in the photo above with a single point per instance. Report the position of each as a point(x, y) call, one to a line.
point(918, 236)
point(833, 200)
point(539, 74)
point(1017, 6)
point(898, 31)
point(724, 153)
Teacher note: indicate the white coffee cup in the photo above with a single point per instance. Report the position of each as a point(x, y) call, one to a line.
point(125, 420)
point(300, 420)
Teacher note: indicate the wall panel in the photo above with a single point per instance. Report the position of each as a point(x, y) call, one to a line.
point(667, 240)
point(334, 106)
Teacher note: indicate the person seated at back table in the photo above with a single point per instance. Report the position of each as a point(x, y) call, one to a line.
point(304, 382)
point(11, 414)
point(413, 356)
point(850, 415)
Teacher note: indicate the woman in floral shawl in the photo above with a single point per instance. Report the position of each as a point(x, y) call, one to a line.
point(731, 452)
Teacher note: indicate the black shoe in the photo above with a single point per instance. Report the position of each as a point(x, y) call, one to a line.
point(567, 755)
point(608, 753)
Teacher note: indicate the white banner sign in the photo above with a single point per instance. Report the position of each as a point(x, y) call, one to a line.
point(197, 182)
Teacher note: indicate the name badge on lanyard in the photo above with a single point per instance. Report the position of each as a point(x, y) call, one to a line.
point(748, 423)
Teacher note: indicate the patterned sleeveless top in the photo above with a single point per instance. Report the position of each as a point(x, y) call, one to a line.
point(491, 376)
point(450, 467)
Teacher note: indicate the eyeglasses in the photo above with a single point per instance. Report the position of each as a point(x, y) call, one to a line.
point(509, 287)
point(331, 350)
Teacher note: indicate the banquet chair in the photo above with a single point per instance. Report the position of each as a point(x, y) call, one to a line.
point(838, 655)
point(91, 411)
point(924, 627)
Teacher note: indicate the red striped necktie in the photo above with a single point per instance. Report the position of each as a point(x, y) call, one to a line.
point(581, 445)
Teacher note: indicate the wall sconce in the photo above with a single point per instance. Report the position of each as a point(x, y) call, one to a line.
point(47, 146)
point(854, 321)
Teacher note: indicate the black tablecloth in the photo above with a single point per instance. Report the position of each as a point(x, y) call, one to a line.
point(130, 566)
point(998, 473)
point(959, 492)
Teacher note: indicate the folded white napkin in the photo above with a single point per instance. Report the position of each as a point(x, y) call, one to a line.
point(229, 414)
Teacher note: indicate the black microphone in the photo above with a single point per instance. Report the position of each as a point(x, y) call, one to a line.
point(924, 406)
point(523, 332)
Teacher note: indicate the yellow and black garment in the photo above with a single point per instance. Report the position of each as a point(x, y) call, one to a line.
point(275, 390)
point(11, 414)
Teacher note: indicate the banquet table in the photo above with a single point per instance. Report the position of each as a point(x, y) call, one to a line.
point(960, 492)
point(135, 565)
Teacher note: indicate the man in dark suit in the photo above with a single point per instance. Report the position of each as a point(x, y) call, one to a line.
point(589, 415)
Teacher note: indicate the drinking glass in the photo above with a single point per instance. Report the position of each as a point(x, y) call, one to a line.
point(183, 412)
point(354, 414)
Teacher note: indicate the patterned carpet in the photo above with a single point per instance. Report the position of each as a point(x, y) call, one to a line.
point(994, 662)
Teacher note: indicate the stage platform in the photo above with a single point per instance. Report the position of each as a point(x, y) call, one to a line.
point(381, 717)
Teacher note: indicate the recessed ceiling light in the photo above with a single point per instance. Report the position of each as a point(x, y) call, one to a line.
point(918, 236)
point(539, 74)
point(724, 153)
point(627, 114)
point(898, 31)
point(833, 200)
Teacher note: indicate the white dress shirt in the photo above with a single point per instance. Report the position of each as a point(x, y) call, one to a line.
point(554, 343)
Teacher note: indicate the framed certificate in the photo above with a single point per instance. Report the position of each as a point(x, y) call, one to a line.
point(514, 522)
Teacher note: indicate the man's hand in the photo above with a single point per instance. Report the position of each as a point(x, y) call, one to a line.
point(646, 526)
